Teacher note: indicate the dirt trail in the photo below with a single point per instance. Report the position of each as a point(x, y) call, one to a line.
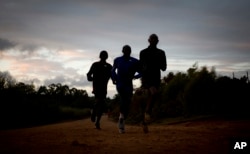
point(203, 136)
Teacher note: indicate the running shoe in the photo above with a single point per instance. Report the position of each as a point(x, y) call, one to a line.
point(97, 125)
point(121, 125)
point(121, 131)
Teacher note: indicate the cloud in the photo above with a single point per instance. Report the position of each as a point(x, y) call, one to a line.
point(77, 81)
point(5, 44)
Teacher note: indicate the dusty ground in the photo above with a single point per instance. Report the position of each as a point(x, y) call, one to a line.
point(200, 136)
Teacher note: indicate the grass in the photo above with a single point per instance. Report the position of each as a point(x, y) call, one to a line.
point(74, 113)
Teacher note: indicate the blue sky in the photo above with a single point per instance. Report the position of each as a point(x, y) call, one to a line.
point(56, 41)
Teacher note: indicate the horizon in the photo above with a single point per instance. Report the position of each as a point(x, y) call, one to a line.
point(136, 83)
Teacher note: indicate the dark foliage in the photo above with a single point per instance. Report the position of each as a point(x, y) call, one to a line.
point(21, 105)
point(197, 92)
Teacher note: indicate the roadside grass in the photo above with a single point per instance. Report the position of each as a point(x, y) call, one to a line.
point(70, 113)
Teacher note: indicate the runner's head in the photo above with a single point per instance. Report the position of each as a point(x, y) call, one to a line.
point(103, 55)
point(153, 39)
point(126, 50)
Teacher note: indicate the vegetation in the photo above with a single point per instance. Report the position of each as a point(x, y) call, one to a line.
point(196, 92)
point(22, 105)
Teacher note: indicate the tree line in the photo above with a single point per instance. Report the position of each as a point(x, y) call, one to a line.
point(198, 91)
point(23, 105)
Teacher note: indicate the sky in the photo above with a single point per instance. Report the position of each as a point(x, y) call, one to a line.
point(56, 41)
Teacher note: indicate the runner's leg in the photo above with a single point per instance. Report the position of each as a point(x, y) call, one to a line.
point(99, 110)
point(124, 108)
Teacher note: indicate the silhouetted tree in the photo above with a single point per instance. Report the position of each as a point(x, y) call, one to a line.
point(6, 80)
point(43, 90)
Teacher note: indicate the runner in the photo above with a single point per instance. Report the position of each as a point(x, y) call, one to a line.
point(153, 61)
point(99, 74)
point(123, 72)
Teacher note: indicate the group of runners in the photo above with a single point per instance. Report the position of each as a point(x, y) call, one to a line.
point(124, 69)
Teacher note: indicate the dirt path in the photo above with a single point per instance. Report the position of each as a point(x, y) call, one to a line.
point(203, 136)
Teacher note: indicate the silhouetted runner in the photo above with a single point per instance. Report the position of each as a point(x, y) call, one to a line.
point(123, 72)
point(153, 61)
point(99, 74)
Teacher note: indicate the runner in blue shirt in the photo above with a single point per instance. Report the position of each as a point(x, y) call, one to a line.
point(125, 69)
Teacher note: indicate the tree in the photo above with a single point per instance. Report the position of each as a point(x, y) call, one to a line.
point(43, 90)
point(6, 80)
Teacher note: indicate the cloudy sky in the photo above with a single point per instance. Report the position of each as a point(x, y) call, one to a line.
point(56, 41)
